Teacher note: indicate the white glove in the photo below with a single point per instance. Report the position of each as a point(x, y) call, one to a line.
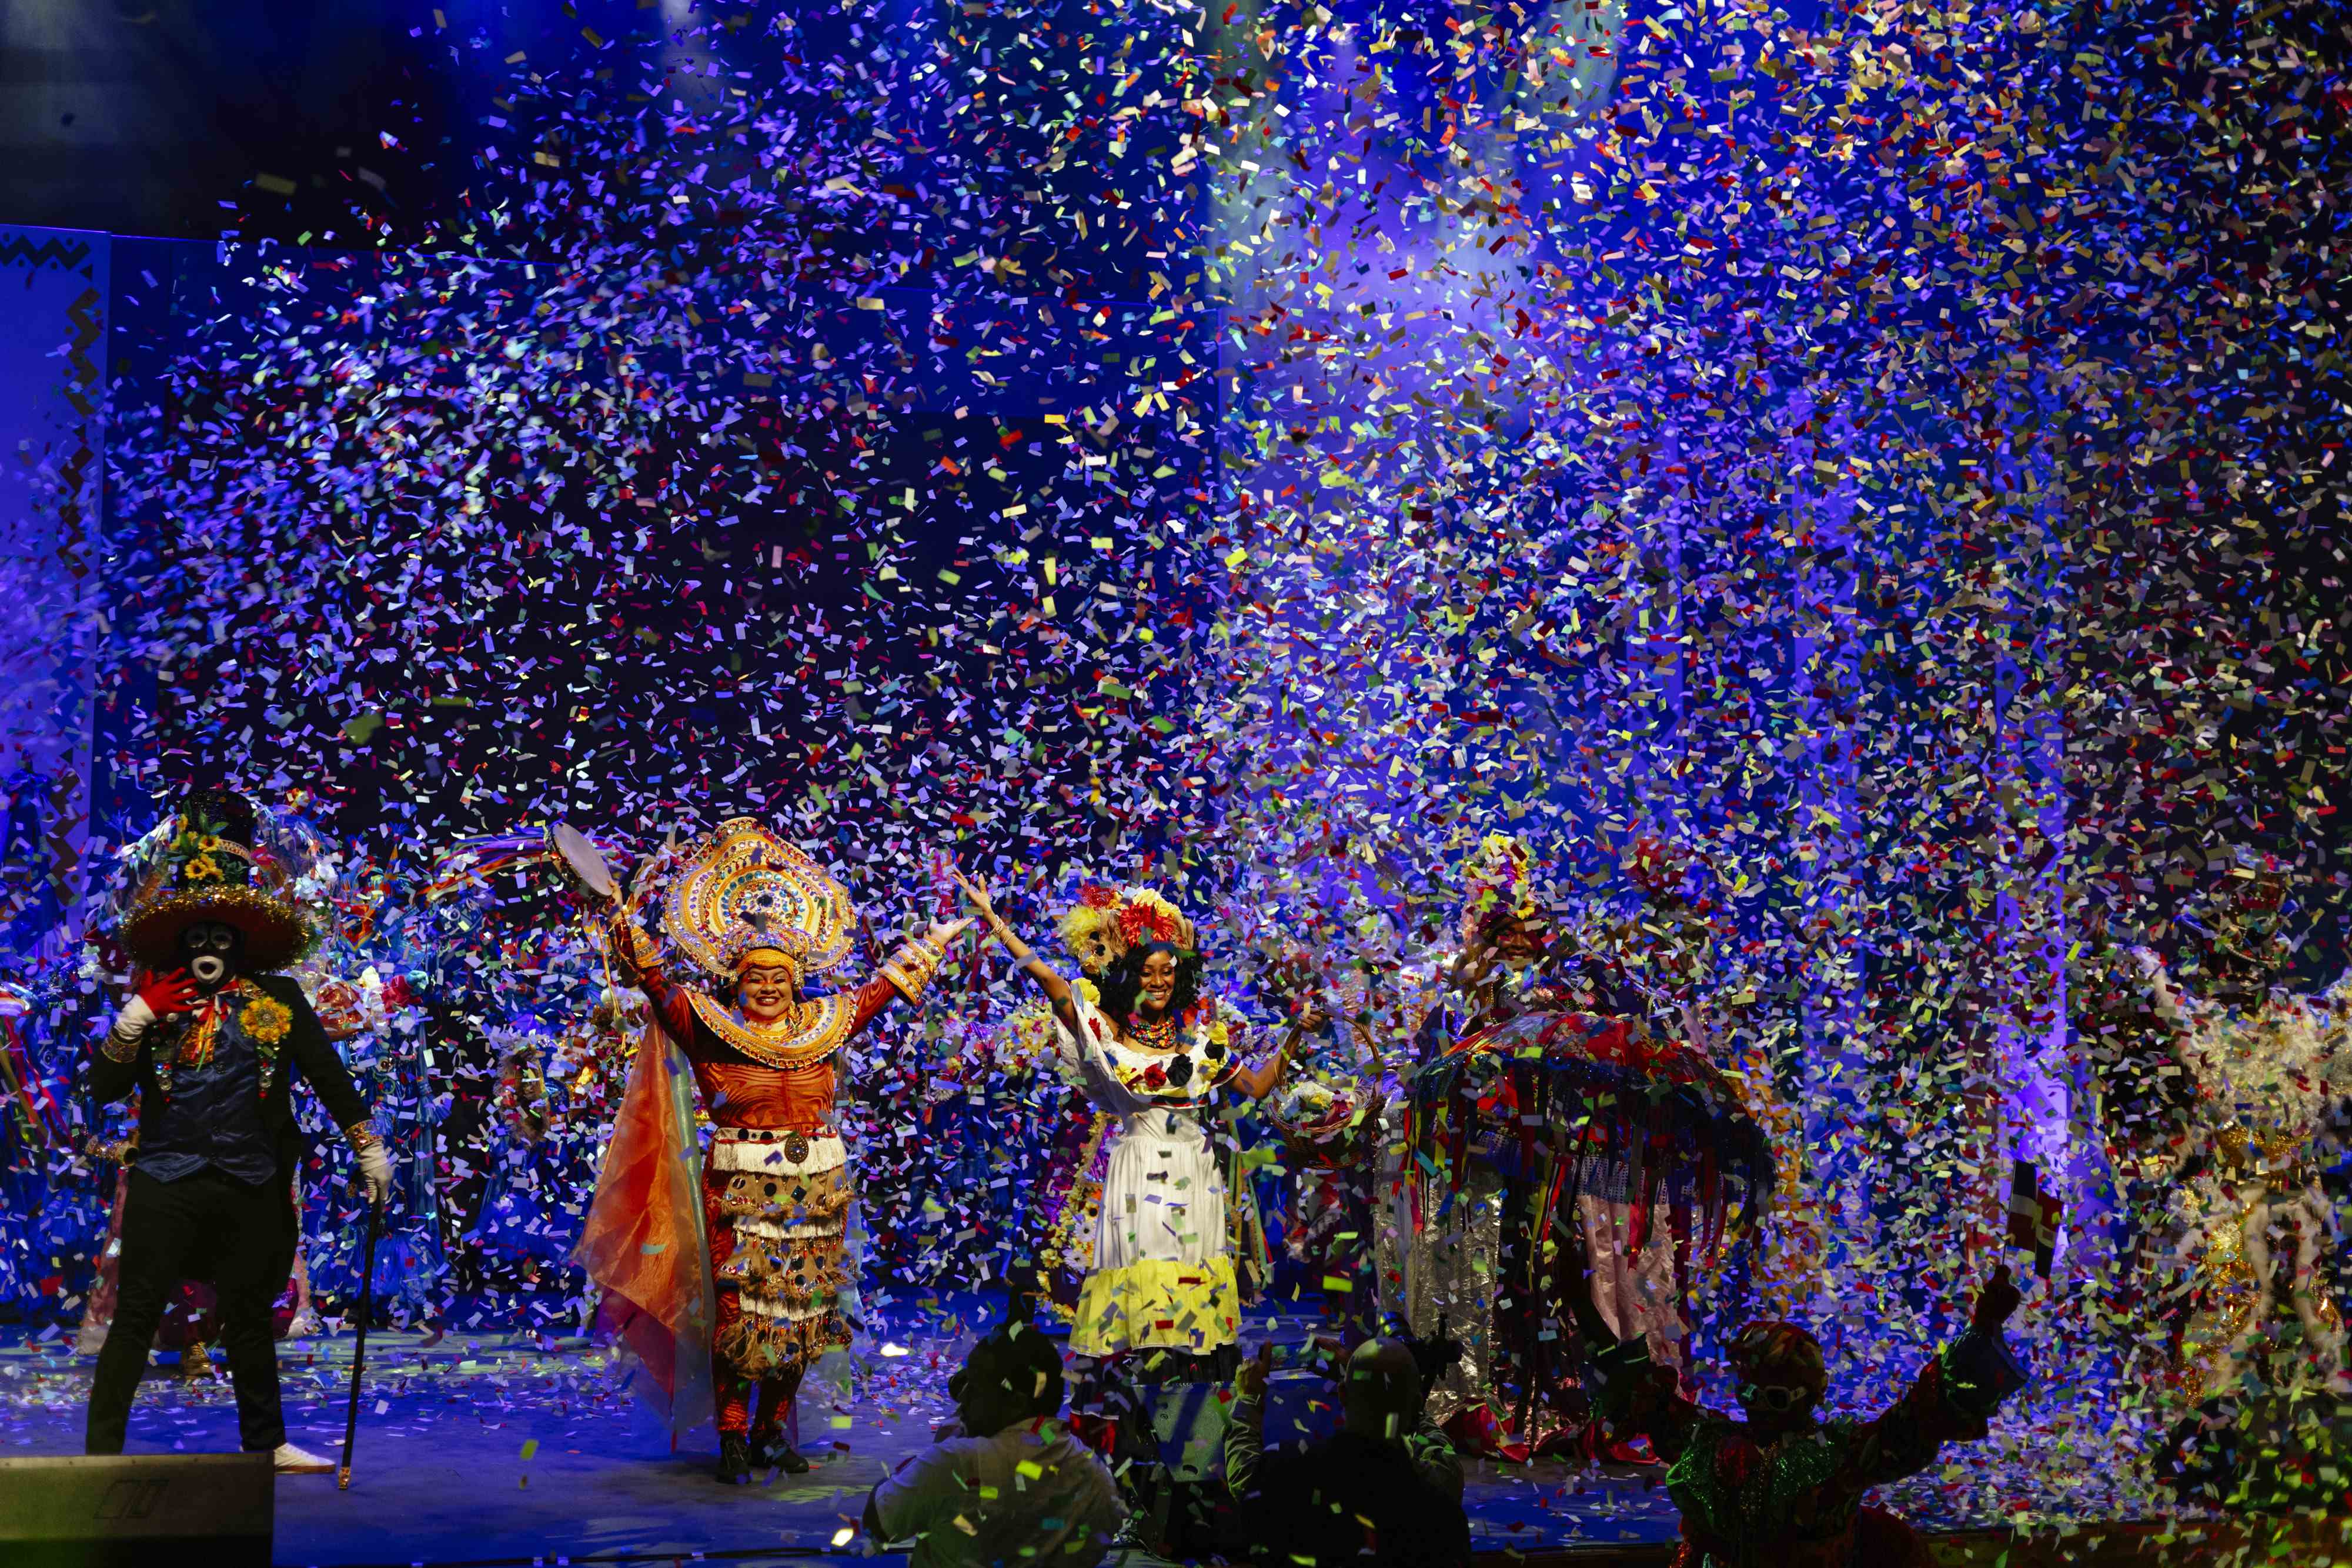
point(134, 1018)
point(375, 1169)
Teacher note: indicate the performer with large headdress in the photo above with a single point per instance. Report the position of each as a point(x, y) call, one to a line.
point(2269, 1069)
point(1162, 1300)
point(752, 1269)
point(213, 1039)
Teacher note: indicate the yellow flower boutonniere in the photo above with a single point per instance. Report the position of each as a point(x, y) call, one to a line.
point(1219, 1034)
point(266, 1019)
point(203, 868)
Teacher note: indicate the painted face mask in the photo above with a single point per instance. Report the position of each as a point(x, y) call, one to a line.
point(209, 948)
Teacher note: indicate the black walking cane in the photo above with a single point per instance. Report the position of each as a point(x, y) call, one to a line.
point(359, 1346)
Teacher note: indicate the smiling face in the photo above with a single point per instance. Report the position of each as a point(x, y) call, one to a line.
point(1516, 938)
point(1156, 986)
point(765, 991)
point(209, 947)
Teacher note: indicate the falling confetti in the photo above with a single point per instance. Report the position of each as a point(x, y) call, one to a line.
point(1893, 456)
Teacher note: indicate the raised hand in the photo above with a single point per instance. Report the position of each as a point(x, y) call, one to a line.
point(1251, 1384)
point(1999, 1298)
point(978, 894)
point(167, 994)
point(943, 932)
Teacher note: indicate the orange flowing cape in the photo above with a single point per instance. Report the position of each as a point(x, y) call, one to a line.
point(643, 1243)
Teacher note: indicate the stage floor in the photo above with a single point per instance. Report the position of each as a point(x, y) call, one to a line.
point(494, 1450)
point(490, 1449)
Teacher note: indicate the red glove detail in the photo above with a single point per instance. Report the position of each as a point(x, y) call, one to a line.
point(167, 994)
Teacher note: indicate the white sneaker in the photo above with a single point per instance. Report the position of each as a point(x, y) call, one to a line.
point(293, 1461)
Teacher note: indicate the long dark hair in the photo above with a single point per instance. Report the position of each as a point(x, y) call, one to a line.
point(1124, 979)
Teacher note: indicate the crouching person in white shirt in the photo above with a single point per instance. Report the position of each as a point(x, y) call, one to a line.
point(1023, 1493)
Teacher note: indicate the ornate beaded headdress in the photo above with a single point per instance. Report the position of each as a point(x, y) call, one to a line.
point(746, 890)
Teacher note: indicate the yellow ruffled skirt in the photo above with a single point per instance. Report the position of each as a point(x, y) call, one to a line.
point(1158, 1305)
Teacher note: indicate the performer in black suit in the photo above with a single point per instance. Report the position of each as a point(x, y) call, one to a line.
point(213, 1040)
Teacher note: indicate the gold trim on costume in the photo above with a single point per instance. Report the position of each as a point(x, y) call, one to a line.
point(911, 968)
point(637, 948)
point(804, 1036)
point(747, 886)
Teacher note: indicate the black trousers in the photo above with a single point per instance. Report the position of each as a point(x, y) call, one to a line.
point(204, 1227)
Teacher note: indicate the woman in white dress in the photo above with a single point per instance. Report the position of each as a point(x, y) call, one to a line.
point(1161, 1305)
point(1148, 1048)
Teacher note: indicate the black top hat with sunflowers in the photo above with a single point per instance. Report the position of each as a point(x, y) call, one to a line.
point(209, 870)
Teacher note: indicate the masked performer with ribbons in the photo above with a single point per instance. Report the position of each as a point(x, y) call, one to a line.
point(1564, 1155)
point(213, 1041)
point(752, 1270)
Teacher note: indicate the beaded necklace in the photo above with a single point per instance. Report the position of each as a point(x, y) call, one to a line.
point(1155, 1035)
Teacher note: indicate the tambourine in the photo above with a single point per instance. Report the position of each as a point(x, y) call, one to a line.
point(586, 860)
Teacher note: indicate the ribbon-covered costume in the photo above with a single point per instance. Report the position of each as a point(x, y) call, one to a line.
point(1559, 1149)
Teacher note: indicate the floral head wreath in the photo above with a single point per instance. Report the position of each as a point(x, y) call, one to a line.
point(1144, 916)
point(1089, 929)
point(1106, 922)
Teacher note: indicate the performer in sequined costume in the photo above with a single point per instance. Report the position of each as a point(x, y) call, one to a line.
point(774, 1200)
point(2269, 1068)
